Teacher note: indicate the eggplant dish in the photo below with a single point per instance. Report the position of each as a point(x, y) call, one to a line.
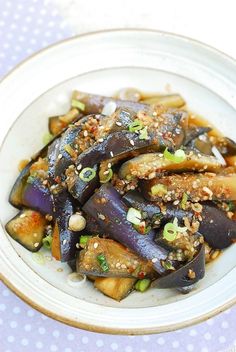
point(132, 192)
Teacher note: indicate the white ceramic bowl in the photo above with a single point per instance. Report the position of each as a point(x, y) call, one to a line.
point(102, 63)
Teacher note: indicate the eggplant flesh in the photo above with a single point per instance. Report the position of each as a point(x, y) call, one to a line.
point(121, 262)
point(198, 187)
point(181, 277)
point(147, 166)
point(110, 212)
point(115, 287)
point(28, 228)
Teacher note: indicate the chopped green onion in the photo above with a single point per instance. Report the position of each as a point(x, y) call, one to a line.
point(142, 285)
point(102, 262)
point(184, 201)
point(143, 133)
point(78, 104)
point(167, 265)
point(170, 232)
point(178, 157)
point(158, 190)
point(134, 216)
point(31, 179)
point(135, 126)
point(179, 229)
point(47, 137)
point(107, 177)
point(231, 206)
point(87, 174)
point(84, 240)
point(47, 242)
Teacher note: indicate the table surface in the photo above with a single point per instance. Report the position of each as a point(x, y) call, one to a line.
point(29, 25)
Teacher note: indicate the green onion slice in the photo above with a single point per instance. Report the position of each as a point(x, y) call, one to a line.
point(143, 134)
point(158, 190)
point(78, 104)
point(142, 285)
point(47, 242)
point(170, 232)
point(103, 262)
point(84, 240)
point(135, 126)
point(107, 177)
point(178, 157)
point(184, 201)
point(87, 174)
point(134, 216)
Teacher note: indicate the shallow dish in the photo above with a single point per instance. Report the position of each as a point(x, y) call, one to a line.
point(102, 63)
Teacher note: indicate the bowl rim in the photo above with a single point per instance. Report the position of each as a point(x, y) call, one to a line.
point(87, 326)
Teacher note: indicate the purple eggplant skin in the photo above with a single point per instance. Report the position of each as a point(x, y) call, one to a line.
point(95, 103)
point(63, 208)
point(92, 226)
point(37, 196)
point(111, 217)
point(80, 189)
point(179, 278)
point(218, 230)
point(194, 132)
point(15, 197)
point(135, 199)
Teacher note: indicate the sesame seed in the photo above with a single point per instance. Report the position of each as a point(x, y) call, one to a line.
point(22, 216)
point(59, 156)
point(111, 153)
point(208, 191)
point(118, 123)
point(211, 221)
point(131, 142)
point(176, 202)
point(85, 133)
point(77, 245)
point(117, 265)
point(45, 182)
point(95, 245)
point(79, 167)
point(35, 234)
point(36, 244)
point(106, 172)
point(101, 216)
point(109, 165)
point(100, 140)
point(123, 266)
point(154, 260)
point(64, 242)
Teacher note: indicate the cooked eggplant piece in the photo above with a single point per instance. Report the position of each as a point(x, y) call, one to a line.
point(194, 132)
point(121, 262)
point(198, 187)
point(231, 161)
point(28, 228)
point(56, 247)
point(147, 166)
point(186, 275)
point(92, 226)
point(169, 100)
point(226, 146)
point(110, 212)
point(63, 208)
point(37, 196)
point(114, 287)
point(57, 124)
point(94, 104)
point(218, 230)
point(78, 188)
point(15, 197)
